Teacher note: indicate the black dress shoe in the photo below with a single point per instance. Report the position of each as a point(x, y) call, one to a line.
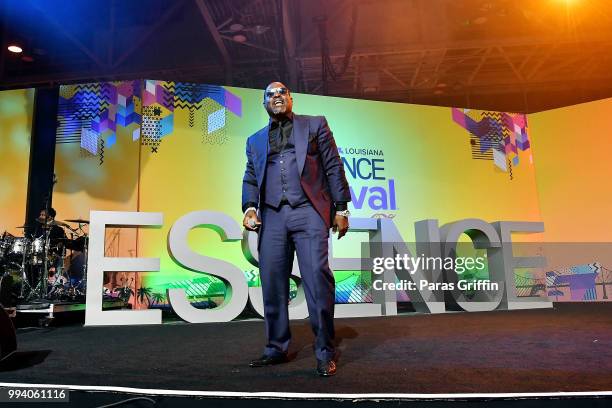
point(269, 360)
point(326, 368)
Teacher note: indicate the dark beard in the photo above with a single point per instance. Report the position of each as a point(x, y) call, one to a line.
point(279, 110)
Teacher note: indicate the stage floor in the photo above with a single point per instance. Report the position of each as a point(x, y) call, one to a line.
point(568, 348)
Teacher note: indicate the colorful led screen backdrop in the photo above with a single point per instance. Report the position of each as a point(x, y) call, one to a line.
point(176, 148)
point(16, 108)
point(573, 171)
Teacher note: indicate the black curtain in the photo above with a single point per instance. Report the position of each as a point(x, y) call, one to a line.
point(42, 153)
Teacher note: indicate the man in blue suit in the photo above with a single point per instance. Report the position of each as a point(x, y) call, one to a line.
point(294, 190)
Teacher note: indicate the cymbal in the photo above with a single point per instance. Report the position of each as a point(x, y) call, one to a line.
point(64, 240)
point(51, 223)
point(42, 221)
point(80, 221)
point(63, 224)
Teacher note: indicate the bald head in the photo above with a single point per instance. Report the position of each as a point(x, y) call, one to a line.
point(277, 100)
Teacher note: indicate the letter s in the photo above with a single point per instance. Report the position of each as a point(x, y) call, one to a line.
point(237, 289)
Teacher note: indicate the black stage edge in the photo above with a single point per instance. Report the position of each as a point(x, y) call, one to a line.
point(42, 151)
point(565, 349)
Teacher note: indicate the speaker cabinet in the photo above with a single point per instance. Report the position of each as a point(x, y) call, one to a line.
point(8, 339)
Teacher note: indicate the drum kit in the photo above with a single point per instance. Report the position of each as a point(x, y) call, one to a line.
point(48, 267)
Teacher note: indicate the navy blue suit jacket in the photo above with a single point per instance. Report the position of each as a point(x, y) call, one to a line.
point(319, 164)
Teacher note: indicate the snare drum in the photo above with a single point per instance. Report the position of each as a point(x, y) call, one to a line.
point(37, 249)
point(38, 246)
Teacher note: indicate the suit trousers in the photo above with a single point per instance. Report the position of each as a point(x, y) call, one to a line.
point(285, 231)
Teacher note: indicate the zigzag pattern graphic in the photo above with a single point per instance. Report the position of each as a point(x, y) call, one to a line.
point(106, 92)
point(190, 106)
point(496, 136)
point(78, 105)
point(510, 169)
point(67, 92)
point(155, 92)
point(492, 128)
point(97, 108)
point(191, 117)
point(101, 108)
point(579, 280)
point(209, 99)
point(168, 100)
point(101, 151)
point(92, 86)
point(193, 93)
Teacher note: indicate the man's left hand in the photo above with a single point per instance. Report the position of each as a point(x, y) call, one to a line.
point(341, 225)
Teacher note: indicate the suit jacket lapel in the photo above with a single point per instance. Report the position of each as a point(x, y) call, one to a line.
point(300, 137)
point(261, 150)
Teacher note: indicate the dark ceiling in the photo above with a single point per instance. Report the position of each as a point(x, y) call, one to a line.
point(509, 55)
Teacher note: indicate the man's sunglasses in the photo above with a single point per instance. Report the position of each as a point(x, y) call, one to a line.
point(273, 91)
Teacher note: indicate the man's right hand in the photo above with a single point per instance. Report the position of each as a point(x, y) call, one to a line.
point(251, 222)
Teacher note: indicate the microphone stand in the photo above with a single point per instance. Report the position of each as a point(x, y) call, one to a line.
point(44, 276)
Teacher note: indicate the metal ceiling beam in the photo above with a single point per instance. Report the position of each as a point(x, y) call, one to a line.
point(145, 36)
point(437, 69)
point(417, 71)
point(491, 88)
point(529, 57)
point(541, 61)
point(590, 65)
point(518, 74)
point(111, 29)
point(88, 76)
point(451, 65)
point(223, 24)
point(578, 59)
point(394, 77)
point(289, 42)
point(483, 59)
point(357, 74)
point(59, 27)
point(217, 37)
point(249, 44)
point(417, 47)
point(313, 33)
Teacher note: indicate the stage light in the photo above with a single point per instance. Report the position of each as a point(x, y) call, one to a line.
point(15, 48)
